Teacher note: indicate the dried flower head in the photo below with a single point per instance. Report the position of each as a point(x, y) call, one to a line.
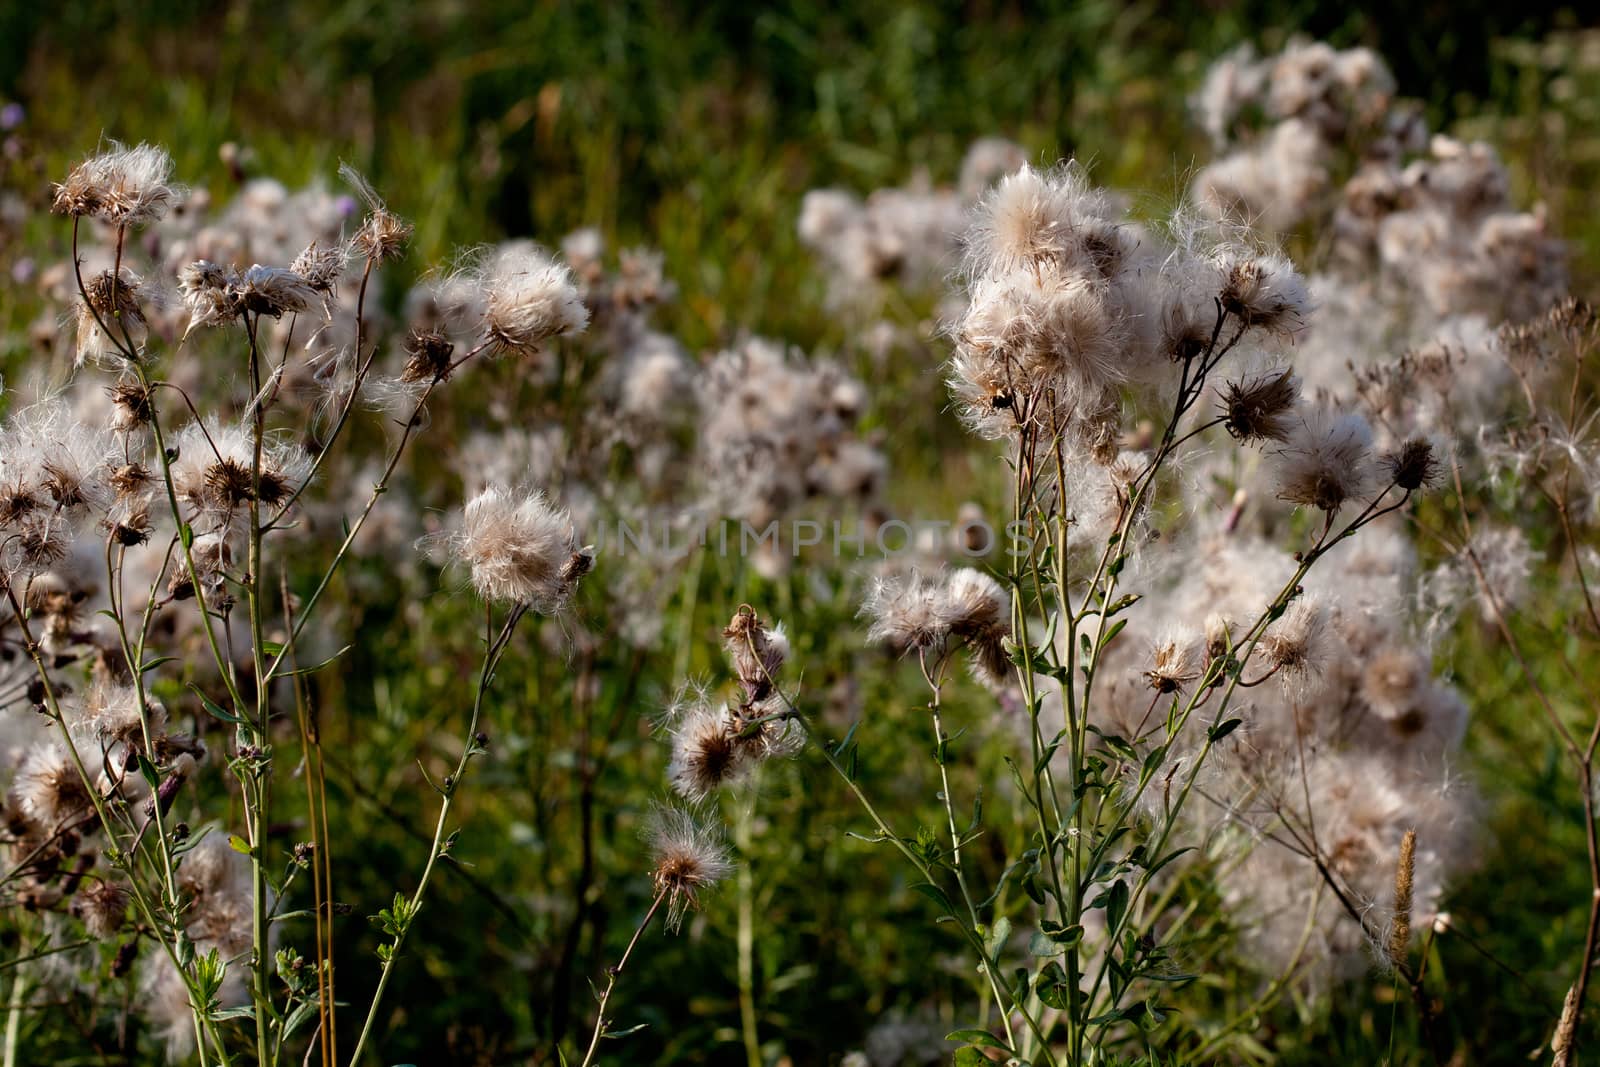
point(103, 908)
point(688, 857)
point(383, 234)
point(1257, 409)
point(132, 406)
point(1326, 461)
point(1173, 665)
point(706, 755)
point(125, 186)
point(1412, 466)
point(1265, 291)
point(273, 291)
point(756, 652)
point(320, 266)
point(1295, 645)
point(428, 355)
point(113, 302)
point(528, 299)
point(210, 291)
point(521, 549)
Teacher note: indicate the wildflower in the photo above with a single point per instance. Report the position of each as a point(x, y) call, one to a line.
point(125, 186)
point(521, 551)
point(383, 234)
point(688, 857)
point(1326, 461)
point(757, 653)
point(528, 299)
point(1257, 409)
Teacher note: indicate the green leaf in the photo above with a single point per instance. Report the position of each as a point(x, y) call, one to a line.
point(1111, 632)
point(1169, 857)
point(977, 1037)
point(1066, 936)
point(998, 936)
point(935, 894)
point(1051, 987)
point(245, 1012)
point(153, 664)
point(214, 708)
point(1041, 944)
point(319, 666)
point(1223, 729)
point(1116, 905)
point(1122, 605)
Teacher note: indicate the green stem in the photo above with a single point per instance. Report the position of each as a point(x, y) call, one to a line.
point(490, 661)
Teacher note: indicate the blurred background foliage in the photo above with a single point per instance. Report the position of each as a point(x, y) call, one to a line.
point(696, 128)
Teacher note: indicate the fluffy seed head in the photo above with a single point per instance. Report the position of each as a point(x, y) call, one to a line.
point(125, 186)
point(273, 291)
point(688, 858)
point(521, 550)
point(706, 756)
point(103, 907)
point(210, 292)
point(1266, 292)
point(48, 788)
point(1412, 466)
point(1173, 665)
point(383, 234)
point(978, 610)
point(528, 299)
point(1295, 645)
point(1257, 409)
point(1326, 461)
